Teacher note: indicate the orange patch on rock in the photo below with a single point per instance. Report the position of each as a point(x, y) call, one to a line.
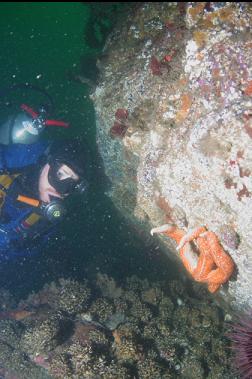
point(218, 90)
point(117, 337)
point(199, 56)
point(183, 82)
point(248, 89)
point(200, 38)
point(186, 102)
point(196, 10)
point(216, 73)
point(207, 23)
point(226, 15)
point(15, 315)
point(248, 128)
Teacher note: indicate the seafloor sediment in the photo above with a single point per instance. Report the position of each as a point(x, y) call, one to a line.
point(96, 330)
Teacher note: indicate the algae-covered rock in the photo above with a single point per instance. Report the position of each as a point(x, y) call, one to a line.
point(145, 334)
point(173, 112)
point(66, 295)
point(15, 364)
point(46, 335)
point(10, 332)
point(102, 309)
point(192, 369)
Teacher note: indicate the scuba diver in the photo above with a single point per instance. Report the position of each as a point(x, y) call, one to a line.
point(35, 178)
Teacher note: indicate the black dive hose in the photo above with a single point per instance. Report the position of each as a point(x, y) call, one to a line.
point(27, 86)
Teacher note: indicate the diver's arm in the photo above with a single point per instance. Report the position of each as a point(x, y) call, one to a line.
point(4, 238)
point(11, 231)
point(12, 243)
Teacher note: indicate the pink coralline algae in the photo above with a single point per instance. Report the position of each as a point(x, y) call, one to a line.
point(170, 25)
point(243, 192)
point(168, 58)
point(120, 126)
point(118, 130)
point(121, 114)
point(248, 89)
point(229, 183)
point(159, 67)
point(247, 123)
point(229, 237)
point(243, 172)
point(155, 66)
point(248, 128)
point(42, 361)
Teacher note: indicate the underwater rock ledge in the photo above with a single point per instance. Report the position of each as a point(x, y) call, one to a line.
point(174, 127)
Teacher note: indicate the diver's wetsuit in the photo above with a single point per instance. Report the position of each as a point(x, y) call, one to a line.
point(18, 235)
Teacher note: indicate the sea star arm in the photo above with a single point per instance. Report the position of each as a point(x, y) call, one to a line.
point(188, 257)
point(213, 287)
point(223, 261)
point(205, 261)
point(213, 265)
point(161, 229)
point(170, 230)
point(191, 235)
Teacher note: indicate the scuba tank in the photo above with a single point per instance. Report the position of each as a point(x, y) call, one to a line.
point(26, 126)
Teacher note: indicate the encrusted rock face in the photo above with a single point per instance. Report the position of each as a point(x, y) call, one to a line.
point(174, 123)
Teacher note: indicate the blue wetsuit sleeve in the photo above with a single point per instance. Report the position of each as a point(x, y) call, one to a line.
point(20, 155)
point(13, 246)
point(35, 247)
point(8, 235)
point(4, 239)
point(8, 251)
point(15, 254)
point(12, 243)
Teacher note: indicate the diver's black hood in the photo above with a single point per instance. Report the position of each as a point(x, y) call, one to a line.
point(70, 153)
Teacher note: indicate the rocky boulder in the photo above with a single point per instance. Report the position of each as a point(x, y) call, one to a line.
point(174, 124)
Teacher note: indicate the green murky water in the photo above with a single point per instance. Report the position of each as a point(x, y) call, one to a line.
point(49, 45)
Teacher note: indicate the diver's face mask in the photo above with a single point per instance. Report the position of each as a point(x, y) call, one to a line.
point(64, 180)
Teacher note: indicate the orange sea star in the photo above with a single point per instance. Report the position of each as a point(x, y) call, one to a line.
point(213, 266)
